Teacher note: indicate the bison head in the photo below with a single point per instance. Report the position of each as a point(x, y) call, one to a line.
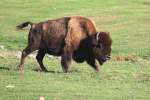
point(102, 46)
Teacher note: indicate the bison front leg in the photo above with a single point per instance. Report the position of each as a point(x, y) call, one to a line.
point(93, 63)
point(66, 58)
point(39, 57)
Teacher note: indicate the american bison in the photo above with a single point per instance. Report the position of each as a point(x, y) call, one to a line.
point(69, 37)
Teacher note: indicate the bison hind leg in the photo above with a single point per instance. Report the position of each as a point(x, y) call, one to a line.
point(39, 57)
point(25, 53)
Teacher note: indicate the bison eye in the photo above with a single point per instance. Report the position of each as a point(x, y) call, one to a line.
point(100, 46)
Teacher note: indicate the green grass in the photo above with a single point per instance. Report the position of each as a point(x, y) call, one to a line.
point(117, 80)
point(125, 77)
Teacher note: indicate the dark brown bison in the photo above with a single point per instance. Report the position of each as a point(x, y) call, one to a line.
point(69, 37)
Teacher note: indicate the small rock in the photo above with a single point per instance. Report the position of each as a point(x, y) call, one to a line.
point(2, 47)
point(18, 54)
point(10, 86)
point(32, 55)
point(41, 98)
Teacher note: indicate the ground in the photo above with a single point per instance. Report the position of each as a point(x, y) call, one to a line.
point(125, 77)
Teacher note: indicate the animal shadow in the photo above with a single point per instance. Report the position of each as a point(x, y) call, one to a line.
point(39, 70)
point(4, 68)
point(71, 71)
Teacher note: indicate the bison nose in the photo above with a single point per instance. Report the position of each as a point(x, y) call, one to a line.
point(103, 59)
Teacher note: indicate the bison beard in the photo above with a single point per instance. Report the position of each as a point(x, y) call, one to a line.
point(69, 37)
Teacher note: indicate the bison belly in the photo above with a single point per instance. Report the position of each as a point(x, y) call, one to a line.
point(55, 46)
point(54, 43)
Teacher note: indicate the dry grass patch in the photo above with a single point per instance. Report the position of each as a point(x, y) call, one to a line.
point(131, 57)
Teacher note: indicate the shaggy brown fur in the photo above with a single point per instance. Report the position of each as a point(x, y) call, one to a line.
point(69, 37)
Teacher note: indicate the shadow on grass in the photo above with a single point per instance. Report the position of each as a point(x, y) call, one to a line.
point(4, 68)
point(71, 71)
point(39, 70)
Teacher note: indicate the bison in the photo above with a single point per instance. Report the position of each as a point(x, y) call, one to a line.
point(74, 37)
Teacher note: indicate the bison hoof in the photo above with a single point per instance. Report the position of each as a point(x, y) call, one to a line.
point(97, 69)
point(65, 71)
point(20, 67)
point(45, 70)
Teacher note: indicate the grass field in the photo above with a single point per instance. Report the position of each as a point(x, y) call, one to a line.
point(125, 77)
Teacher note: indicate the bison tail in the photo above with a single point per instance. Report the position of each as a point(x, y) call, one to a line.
point(21, 26)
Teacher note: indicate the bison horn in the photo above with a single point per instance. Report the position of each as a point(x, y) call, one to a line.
point(97, 35)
